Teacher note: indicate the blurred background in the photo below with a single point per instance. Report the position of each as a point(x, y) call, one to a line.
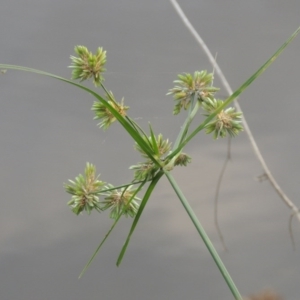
point(48, 134)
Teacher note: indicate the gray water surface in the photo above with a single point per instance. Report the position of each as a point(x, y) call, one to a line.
point(47, 135)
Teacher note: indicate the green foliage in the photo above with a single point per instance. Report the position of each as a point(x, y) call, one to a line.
point(191, 92)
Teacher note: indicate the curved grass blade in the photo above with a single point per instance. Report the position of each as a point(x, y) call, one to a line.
point(139, 213)
point(236, 93)
point(192, 110)
point(118, 187)
point(127, 125)
point(153, 141)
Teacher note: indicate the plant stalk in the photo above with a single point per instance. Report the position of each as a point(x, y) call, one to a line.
point(194, 107)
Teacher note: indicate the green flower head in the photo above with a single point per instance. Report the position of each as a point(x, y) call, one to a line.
point(227, 121)
point(144, 170)
point(121, 201)
point(88, 65)
point(85, 191)
point(182, 160)
point(189, 87)
point(104, 114)
point(158, 145)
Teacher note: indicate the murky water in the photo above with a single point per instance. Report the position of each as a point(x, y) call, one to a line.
point(47, 135)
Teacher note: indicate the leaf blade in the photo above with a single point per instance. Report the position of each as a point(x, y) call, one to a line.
point(139, 213)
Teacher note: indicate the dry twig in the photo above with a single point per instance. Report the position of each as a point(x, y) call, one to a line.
point(295, 211)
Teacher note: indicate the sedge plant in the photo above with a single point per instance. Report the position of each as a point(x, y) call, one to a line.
point(192, 94)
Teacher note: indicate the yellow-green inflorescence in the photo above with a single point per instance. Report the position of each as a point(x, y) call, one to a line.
point(198, 87)
point(85, 191)
point(147, 169)
point(104, 114)
point(88, 65)
point(182, 160)
point(121, 201)
point(189, 87)
point(227, 121)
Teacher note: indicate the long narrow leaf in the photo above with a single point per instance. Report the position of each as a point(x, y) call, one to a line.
point(127, 126)
point(139, 213)
point(109, 232)
point(119, 187)
point(153, 139)
point(185, 127)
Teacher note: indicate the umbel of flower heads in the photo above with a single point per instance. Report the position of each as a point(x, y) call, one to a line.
point(190, 93)
point(198, 87)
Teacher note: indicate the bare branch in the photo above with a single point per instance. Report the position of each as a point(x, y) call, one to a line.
point(268, 174)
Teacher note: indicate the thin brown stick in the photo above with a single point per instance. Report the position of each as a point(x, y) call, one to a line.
point(291, 231)
point(275, 185)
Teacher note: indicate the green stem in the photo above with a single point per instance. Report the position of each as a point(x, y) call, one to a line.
point(205, 238)
point(107, 92)
point(132, 122)
point(184, 129)
point(120, 186)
